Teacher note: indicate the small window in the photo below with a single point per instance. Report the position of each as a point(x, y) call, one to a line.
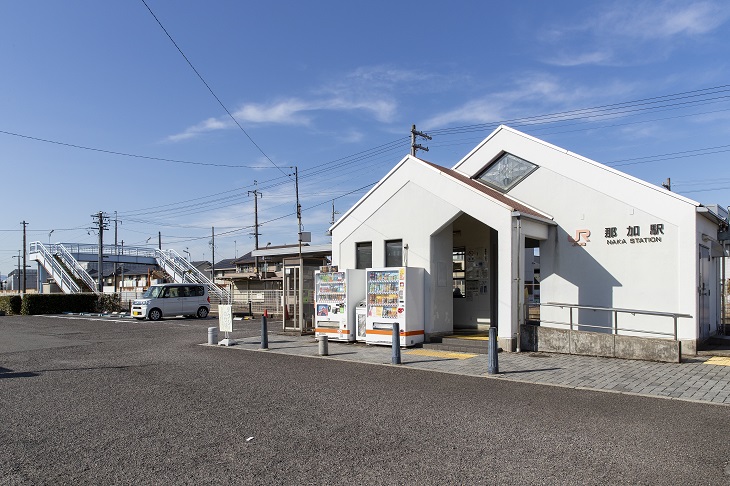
point(459, 274)
point(364, 255)
point(506, 172)
point(394, 253)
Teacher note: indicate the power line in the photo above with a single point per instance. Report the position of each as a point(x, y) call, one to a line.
point(248, 227)
point(124, 154)
point(210, 89)
point(608, 109)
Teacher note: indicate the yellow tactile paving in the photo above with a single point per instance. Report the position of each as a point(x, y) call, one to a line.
point(469, 338)
point(432, 353)
point(718, 360)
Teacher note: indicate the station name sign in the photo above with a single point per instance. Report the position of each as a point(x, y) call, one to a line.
point(633, 235)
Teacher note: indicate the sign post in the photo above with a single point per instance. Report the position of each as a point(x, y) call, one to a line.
point(225, 322)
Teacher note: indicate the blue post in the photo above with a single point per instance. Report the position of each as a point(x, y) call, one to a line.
point(396, 344)
point(264, 334)
point(492, 364)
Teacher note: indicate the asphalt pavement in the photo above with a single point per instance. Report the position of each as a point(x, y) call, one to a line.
point(114, 401)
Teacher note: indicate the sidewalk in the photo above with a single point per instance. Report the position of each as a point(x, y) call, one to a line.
point(703, 379)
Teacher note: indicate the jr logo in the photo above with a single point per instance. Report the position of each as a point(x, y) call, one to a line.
point(581, 237)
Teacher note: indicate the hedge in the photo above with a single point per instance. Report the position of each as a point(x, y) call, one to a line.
point(58, 303)
point(10, 304)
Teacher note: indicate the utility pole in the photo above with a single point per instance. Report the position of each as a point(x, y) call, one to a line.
point(122, 266)
point(256, 196)
point(24, 255)
point(417, 146)
point(212, 246)
point(668, 184)
point(14, 287)
point(116, 250)
point(102, 224)
point(333, 213)
point(301, 263)
point(159, 240)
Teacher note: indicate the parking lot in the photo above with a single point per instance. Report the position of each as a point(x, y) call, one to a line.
point(100, 400)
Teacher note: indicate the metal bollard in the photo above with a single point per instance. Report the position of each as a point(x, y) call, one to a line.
point(492, 363)
point(212, 335)
point(395, 359)
point(323, 346)
point(264, 334)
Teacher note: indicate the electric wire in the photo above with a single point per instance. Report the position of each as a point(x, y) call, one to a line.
point(124, 154)
point(561, 116)
point(209, 88)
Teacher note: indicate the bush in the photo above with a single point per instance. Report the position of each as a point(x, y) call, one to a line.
point(109, 303)
point(11, 304)
point(34, 304)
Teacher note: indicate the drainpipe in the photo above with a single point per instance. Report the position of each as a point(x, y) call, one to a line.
point(520, 291)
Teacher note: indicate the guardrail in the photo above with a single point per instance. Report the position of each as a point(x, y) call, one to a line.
point(40, 253)
point(615, 311)
point(73, 265)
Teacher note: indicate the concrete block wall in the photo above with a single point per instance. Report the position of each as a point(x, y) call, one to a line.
point(551, 340)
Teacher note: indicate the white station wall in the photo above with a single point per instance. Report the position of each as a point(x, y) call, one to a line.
point(411, 214)
point(654, 272)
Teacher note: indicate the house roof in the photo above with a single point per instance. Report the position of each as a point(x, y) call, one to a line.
point(225, 263)
point(247, 258)
point(492, 193)
point(505, 201)
point(293, 250)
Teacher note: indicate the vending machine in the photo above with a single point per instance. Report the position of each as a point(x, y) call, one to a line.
point(336, 295)
point(395, 295)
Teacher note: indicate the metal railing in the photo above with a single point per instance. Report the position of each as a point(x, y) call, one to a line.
point(183, 271)
point(40, 253)
point(615, 321)
point(72, 264)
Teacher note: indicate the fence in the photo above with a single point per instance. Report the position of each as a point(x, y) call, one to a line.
point(533, 310)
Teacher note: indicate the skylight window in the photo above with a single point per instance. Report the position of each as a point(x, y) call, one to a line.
point(504, 173)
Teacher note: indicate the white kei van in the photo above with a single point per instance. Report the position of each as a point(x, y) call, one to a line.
point(172, 300)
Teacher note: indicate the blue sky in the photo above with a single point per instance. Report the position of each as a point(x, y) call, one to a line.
point(332, 88)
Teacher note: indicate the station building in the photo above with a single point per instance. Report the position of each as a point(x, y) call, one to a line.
point(608, 243)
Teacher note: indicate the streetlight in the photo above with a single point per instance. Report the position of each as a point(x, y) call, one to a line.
point(187, 252)
point(49, 237)
point(235, 249)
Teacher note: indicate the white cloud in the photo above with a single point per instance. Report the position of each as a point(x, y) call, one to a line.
point(372, 90)
point(669, 19)
point(533, 93)
point(208, 125)
point(595, 57)
point(628, 33)
point(292, 111)
point(286, 112)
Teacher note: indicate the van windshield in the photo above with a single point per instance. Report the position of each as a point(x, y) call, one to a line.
point(153, 292)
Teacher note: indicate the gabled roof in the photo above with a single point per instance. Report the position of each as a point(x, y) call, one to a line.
point(503, 200)
point(504, 130)
point(225, 263)
point(492, 193)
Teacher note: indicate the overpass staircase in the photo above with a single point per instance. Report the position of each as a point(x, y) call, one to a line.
point(62, 267)
point(61, 261)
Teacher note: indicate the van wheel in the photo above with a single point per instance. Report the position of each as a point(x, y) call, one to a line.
point(154, 315)
point(202, 313)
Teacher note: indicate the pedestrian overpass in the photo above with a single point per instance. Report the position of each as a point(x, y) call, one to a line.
point(61, 262)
